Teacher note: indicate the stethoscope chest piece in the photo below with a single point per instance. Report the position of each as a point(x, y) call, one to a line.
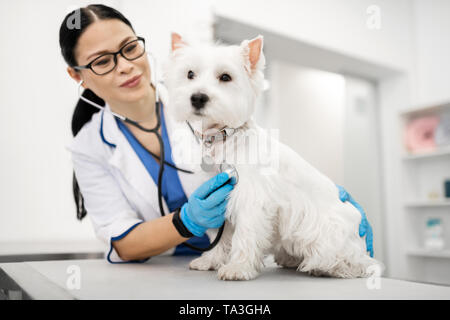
point(230, 169)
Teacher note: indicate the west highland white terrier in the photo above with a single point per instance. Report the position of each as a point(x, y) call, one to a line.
point(281, 204)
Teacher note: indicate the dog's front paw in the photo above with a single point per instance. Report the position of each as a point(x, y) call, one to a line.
point(203, 264)
point(235, 271)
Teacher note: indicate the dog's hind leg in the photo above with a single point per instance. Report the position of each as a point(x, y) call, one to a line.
point(284, 259)
point(363, 266)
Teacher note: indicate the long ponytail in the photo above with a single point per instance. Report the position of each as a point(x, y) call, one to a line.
point(82, 115)
point(68, 39)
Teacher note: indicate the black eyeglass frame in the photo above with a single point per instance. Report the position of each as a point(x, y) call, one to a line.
point(89, 65)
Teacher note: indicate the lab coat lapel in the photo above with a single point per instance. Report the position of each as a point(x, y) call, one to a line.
point(125, 159)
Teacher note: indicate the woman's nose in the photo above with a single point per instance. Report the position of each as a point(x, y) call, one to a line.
point(123, 65)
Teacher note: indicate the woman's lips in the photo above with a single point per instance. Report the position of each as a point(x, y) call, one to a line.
point(133, 82)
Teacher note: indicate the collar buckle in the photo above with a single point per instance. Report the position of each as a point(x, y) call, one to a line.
point(209, 139)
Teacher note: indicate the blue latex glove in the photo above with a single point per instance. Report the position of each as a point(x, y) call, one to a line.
point(364, 227)
point(207, 205)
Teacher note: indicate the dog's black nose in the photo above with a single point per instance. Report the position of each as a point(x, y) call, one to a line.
point(198, 100)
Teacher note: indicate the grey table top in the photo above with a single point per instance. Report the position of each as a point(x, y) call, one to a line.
point(169, 277)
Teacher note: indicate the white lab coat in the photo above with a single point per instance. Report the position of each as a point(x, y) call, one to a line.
point(117, 189)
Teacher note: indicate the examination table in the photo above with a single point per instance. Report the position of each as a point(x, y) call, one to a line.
point(169, 277)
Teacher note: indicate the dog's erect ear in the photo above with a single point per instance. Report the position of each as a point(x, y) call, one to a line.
point(177, 41)
point(252, 50)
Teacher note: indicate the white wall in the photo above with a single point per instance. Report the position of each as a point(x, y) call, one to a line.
point(335, 25)
point(308, 117)
point(432, 46)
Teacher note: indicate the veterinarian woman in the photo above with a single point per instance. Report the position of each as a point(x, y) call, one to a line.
point(115, 175)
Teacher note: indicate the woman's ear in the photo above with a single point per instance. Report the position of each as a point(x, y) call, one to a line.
point(75, 76)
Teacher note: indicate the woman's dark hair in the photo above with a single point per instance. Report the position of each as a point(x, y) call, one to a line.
point(72, 27)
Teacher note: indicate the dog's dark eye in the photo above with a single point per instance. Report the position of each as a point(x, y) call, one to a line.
point(225, 77)
point(190, 75)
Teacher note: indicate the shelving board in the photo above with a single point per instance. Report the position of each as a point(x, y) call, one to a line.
point(428, 203)
point(421, 252)
point(443, 151)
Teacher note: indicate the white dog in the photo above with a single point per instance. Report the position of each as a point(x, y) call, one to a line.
point(281, 205)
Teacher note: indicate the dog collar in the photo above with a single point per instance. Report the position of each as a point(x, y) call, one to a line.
point(209, 138)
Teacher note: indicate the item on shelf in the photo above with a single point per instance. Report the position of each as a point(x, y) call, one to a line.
point(420, 132)
point(434, 239)
point(433, 195)
point(442, 136)
point(447, 188)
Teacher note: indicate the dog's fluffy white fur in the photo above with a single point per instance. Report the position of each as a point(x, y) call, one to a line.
point(282, 205)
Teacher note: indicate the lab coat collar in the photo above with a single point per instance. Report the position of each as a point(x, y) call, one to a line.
point(110, 131)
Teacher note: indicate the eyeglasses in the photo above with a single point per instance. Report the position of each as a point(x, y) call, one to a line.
point(108, 61)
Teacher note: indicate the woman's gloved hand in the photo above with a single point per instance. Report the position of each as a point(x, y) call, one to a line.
point(364, 227)
point(207, 205)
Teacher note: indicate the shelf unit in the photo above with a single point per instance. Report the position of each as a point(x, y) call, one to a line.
point(423, 176)
point(444, 151)
point(428, 204)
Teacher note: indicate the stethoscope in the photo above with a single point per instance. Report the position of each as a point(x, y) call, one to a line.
point(223, 168)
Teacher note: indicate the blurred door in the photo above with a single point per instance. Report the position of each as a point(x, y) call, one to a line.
point(362, 153)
